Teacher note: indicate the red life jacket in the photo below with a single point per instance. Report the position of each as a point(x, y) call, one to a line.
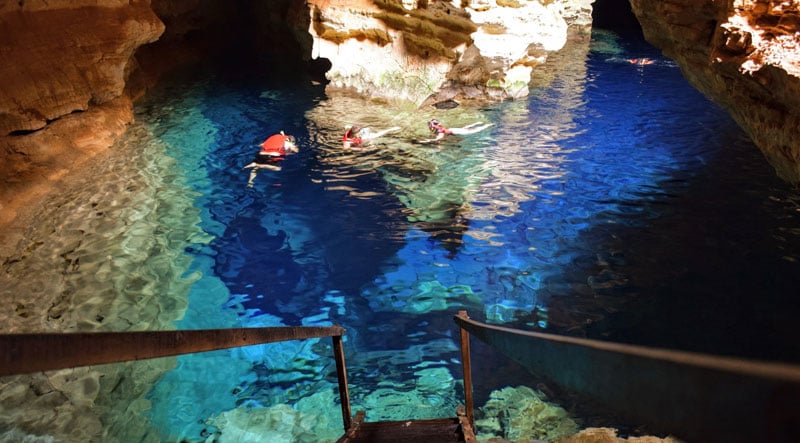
point(348, 138)
point(274, 145)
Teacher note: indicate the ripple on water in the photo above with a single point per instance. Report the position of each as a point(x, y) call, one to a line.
point(609, 201)
point(106, 255)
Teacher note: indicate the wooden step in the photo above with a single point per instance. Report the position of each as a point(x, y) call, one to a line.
point(441, 430)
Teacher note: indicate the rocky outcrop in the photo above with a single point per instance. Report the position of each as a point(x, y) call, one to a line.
point(64, 67)
point(743, 54)
point(60, 60)
point(418, 50)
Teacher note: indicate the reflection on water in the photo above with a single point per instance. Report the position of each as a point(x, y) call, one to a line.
point(615, 203)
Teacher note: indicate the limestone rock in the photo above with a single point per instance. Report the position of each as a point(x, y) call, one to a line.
point(743, 54)
point(430, 51)
point(55, 61)
point(609, 435)
point(63, 70)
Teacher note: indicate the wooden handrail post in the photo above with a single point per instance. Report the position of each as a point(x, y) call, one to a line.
point(467, 367)
point(341, 374)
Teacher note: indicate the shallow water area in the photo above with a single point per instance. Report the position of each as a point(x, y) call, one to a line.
point(614, 203)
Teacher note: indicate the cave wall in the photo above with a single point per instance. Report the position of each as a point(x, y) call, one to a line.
point(70, 69)
point(744, 55)
point(45, 75)
point(64, 65)
point(424, 51)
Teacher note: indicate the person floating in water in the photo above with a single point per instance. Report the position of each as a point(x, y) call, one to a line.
point(273, 151)
point(440, 131)
point(641, 61)
point(352, 137)
point(355, 136)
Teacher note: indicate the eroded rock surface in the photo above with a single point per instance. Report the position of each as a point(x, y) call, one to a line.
point(745, 55)
point(63, 71)
point(437, 50)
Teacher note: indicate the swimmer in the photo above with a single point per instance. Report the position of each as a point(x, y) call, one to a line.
point(355, 136)
point(441, 131)
point(273, 151)
point(641, 61)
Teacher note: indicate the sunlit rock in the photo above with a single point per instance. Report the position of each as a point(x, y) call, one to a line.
point(609, 435)
point(45, 75)
point(745, 55)
point(64, 67)
point(433, 51)
point(520, 414)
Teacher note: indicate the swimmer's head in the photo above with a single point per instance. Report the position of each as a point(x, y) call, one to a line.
point(289, 141)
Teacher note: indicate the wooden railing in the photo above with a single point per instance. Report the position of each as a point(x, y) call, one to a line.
point(26, 353)
point(697, 397)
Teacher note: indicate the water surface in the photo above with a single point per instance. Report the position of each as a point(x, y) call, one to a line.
point(614, 203)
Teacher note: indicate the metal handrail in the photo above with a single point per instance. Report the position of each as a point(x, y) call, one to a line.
point(697, 397)
point(26, 353)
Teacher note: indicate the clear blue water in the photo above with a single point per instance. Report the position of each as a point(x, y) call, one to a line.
point(617, 203)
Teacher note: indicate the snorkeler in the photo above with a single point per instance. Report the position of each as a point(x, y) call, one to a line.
point(352, 137)
point(441, 131)
point(273, 151)
point(641, 61)
point(355, 136)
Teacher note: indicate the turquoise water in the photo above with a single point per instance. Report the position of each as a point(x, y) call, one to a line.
point(614, 203)
point(617, 203)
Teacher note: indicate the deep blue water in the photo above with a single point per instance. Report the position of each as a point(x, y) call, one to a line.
point(616, 203)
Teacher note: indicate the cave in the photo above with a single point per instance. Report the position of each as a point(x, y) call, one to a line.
point(617, 16)
point(236, 36)
point(410, 221)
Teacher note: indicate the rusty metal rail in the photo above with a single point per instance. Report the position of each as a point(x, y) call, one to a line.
point(696, 397)
point(26, 353)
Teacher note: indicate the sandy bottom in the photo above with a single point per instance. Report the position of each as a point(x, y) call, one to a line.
point(88, 252)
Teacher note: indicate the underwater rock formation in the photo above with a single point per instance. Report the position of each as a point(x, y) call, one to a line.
point(609, 435)
point(743, 54)
point(520, 414)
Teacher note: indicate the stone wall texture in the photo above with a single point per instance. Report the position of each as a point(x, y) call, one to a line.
point(67, 83)
point(743, 54)
point(428, 51)
point(63, 70)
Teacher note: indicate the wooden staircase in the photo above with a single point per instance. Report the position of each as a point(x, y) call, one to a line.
point(442, 430)
point(696, 397)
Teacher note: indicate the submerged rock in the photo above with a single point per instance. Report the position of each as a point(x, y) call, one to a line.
point(608, 435)
point(446, 104)
point(520, 414)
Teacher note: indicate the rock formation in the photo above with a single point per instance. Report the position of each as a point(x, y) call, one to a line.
point(743, 54)
point(69, 69)
point(435, 50)
point(64, 65)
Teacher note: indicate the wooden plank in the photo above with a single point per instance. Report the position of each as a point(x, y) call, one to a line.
point(466, 365)
point(445, 430)
point(341, 375)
